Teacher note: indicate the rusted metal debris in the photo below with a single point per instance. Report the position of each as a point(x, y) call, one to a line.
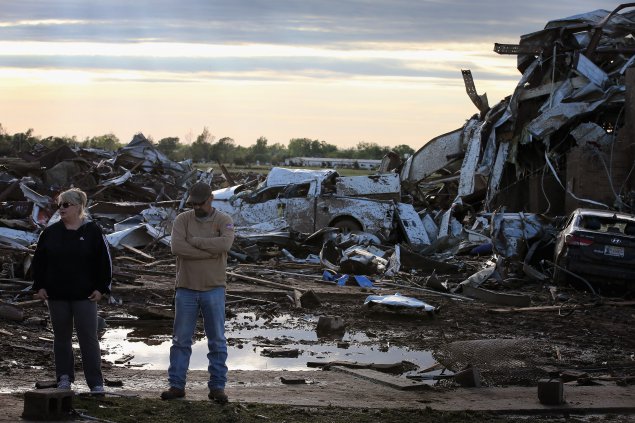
point(482, 196)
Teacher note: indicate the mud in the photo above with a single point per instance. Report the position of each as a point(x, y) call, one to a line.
point(588, 339)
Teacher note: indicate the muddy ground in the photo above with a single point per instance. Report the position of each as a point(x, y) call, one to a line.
point(588, 341)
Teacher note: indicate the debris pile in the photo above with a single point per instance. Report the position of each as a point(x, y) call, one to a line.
point(470, 216)
point(463, 193)
point(562, 139)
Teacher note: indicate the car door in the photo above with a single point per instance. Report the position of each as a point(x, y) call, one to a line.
point(259, 207)
point(298, 205)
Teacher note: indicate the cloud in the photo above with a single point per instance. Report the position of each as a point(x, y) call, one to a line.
point(338, 70)
point(290, 22)
point(325, 39)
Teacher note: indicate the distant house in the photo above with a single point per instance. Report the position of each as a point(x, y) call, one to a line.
point(333, 163)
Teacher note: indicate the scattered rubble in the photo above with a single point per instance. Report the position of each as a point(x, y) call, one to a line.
point(469, 220)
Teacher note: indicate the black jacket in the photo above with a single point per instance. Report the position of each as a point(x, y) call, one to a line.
point(71, 264)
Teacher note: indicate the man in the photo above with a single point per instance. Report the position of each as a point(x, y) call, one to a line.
point(201, 239)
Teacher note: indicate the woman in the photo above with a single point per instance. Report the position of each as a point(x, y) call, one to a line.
point(72, 270)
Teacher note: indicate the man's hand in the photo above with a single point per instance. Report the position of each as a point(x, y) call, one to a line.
point(41, 295)
point(95, 296)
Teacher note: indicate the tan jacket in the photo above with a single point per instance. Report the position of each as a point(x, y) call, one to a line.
point(201, 249)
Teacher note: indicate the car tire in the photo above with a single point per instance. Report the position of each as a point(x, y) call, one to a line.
point(347, 225)
point(560, 277)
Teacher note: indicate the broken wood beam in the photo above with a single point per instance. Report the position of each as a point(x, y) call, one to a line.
point(16, 281)
point(28, 303)
point(124, 359)
point(163, 261)
point(383, 378)
point(499, 298)
point(240, 298)
point(226, 174)
point(126, 258)
point(146, 312)
point(263, 282)
point(137, 251)
point(147, 272)
point(562, 306)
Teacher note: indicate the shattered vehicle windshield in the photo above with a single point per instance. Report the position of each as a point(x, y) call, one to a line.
point(612, 224)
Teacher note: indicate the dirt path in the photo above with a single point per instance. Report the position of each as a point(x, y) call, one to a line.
point(332, 388)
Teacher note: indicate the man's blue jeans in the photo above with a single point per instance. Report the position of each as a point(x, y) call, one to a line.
point(211, 304)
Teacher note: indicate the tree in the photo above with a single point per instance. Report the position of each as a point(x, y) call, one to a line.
point(404, 151)
point(200, 150)
point(107, 142)
point(169, 146)
point(56, 142)
point(299, 147)
point(241, 156)
point(205, 136)
point(304, 147)
point(328, 150)
point(277, 153)
point(5, 143)
point(370, 150)
point(223, 150)
point(259, 150)
point(23, 141)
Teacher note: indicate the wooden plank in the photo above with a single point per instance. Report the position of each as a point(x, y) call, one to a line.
point(521, 309)
point(264, 282)
point(133, 270)
point(500, 298)
point(16, 281)
point(28, 303)
point(563, 306)
point(124, 359)
point(136, 251)
point(148, 312)
point(396, 382)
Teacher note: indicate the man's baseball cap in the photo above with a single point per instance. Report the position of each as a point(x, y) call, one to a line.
point(199, 192)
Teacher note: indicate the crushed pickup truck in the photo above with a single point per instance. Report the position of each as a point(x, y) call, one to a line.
point(309, 200)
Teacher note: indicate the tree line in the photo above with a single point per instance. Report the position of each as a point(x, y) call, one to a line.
point(206, 148)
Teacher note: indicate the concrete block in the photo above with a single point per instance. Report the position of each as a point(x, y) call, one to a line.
point(551, 391)
point(47, 404)
point(468, 378)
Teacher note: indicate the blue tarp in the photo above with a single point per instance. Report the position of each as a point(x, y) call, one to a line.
point(342, 280)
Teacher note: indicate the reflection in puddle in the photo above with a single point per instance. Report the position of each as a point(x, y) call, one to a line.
point(247, 336)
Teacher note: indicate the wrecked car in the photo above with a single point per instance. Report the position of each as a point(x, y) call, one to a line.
point(307, 201)
point(310, 200)
point(597, 245)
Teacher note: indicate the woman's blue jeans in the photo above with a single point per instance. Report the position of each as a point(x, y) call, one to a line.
point(188, 304)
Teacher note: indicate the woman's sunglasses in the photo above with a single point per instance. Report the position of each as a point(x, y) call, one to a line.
point(64, 205)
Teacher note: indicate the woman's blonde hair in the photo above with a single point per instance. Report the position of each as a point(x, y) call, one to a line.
point(74, 196)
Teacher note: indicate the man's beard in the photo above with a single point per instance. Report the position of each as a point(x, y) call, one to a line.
point(200, 213)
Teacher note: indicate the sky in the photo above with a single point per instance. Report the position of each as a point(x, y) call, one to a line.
point(339, 71)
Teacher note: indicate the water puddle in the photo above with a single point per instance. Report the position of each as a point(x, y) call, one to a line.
point(248, 337)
